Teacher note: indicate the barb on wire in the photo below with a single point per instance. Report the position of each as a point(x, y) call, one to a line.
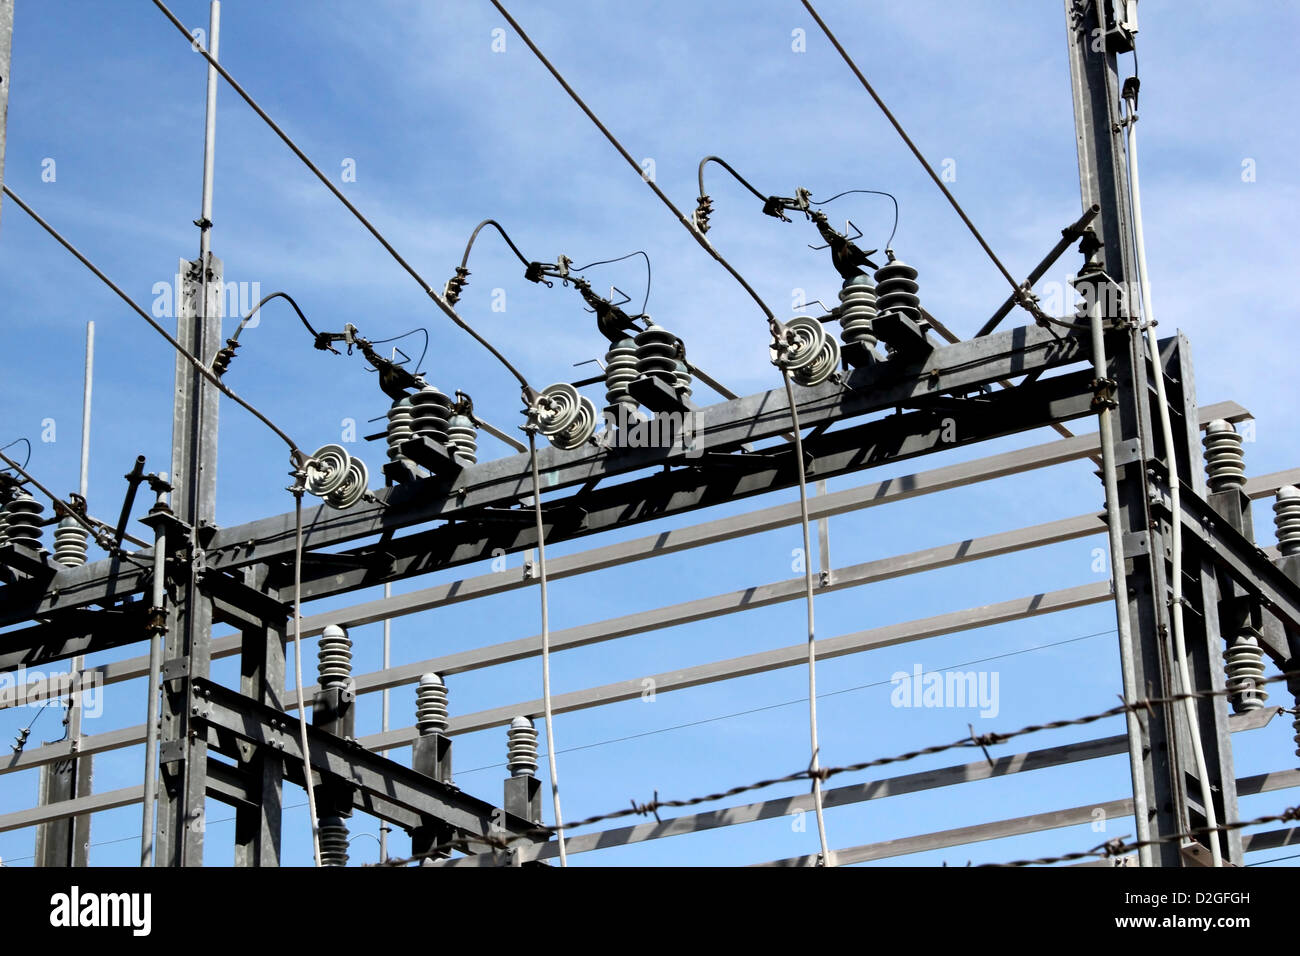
point(1116, 847)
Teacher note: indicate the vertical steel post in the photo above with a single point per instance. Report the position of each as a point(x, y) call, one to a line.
point(1160, 741)
point(184, 750)
point(262, 675)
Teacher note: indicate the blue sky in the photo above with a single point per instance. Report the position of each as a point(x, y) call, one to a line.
point(442, 132)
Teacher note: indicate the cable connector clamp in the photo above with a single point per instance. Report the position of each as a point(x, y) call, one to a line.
point(1103, 393)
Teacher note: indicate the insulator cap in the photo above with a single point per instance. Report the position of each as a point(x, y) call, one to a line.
point(334, 656)
point(521, 743)
point(431, 705)
point(1225, 464)
point(1286, 516)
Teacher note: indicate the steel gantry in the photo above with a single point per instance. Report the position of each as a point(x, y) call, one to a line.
point(926, 399)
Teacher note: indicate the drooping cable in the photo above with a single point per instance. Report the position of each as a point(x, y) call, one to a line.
point(297, 667)
point(1175, 496)
point(686, 222)
point(275, 295)
point(546, 650)
point(338, 194)
point(727, 166)
point(184, 352)
point(872, 192)
point(815, 764)
point(26, 442)
point(464, 260)
point(395, 338)
point(604, 262)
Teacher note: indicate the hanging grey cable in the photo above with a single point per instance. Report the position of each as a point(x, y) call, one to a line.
point(546, 650)
point(613, 141)
point(690, 227)
point(297, 667)
point(815, 765)
point(338, 194)
point(198, 365)
point(1175, 497)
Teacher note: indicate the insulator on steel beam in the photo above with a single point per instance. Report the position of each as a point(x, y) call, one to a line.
point(399, 427)
point(1244, 665)
point(335, 657)
point(896, 289)
point(565, 418)
point(807, 352)
point(431, 706)
point(430, 411)
point(333, 835)
point(336, 476)
point(23, 521)
point(1225, 464)
point(521, 748)
point(857, 316)
point(462, 437)
point(70, 543)
point(1286, 516)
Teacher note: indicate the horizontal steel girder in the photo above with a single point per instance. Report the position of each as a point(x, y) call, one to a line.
point(505, 482)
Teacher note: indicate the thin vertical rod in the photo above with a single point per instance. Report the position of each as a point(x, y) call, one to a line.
point(383, 719)
point(79, 662)
point(209, 145)
point(151, 714)
point(1119, 582)
point(85, 408)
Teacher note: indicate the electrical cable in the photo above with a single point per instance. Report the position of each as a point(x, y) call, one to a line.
point(25, 441)
point(297, 666)
point(1175, 497)
point(464, 260)
point(424, 351)
point(338, 194)
point(640, 252)
point(873, 192)
point(275, 295)
point(202, 369)
point(613, 141)
point(546, 650)
point(815, 764)
point(727, 166)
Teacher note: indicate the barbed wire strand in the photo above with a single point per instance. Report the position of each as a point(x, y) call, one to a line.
point(541, 833)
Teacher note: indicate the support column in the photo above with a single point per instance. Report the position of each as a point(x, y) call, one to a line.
point(187, 654)
point(262, 676)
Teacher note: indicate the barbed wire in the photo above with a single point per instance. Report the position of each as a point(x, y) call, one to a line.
point(1116, 847)
point(541, 832)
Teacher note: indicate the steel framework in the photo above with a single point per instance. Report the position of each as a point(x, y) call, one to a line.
point(910, 406)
